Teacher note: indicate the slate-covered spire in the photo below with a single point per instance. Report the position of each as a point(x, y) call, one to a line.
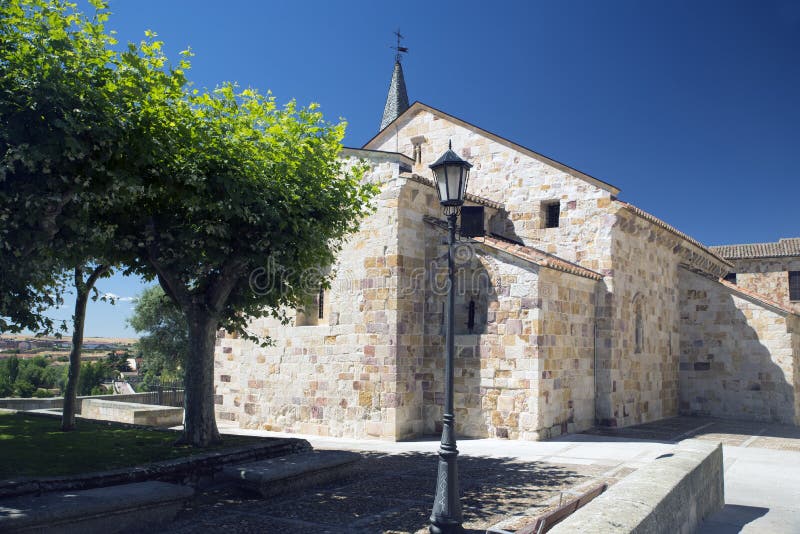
point(397, 99)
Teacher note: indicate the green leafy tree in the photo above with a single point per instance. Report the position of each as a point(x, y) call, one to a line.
point(12, 368)
point(64, 161)
point(118, 362)
point(59, 145)
point(243, 200)
point(164, 339)
point(92, 376)
point(224, 197)
point(8, 376)
point(23, 388)
point(32, 374)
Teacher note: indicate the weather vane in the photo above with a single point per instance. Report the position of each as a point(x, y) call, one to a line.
point(399, 49)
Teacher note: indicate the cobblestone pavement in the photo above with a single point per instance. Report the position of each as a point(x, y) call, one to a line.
point(393, 493)
point(729, 432)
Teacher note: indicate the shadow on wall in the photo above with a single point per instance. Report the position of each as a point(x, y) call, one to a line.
point(603, 344)
point(475, 318)
point(735, 355)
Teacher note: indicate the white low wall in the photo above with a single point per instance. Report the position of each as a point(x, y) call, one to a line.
point(671, 495)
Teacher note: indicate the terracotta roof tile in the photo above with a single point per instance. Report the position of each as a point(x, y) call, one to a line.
point(658, 222)
point(538, 257)
point(756, 296)
point(784, 247)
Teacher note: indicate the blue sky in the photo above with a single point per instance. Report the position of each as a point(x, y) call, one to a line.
point(689, 107)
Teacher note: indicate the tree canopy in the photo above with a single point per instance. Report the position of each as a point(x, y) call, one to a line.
point(62, 142)
point(164, 334)
point(232, 202)
point(240, 187)
point(65, 130)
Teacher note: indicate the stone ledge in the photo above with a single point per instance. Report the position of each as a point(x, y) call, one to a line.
point(189, 470)
point(673, 494)
point(292, 472)
point(112, 509)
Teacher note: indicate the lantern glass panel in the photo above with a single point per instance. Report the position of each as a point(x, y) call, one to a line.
point(441, 184)
point(453, 182)
point(464, 178)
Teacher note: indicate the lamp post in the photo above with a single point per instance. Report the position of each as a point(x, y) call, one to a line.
point(451, 174)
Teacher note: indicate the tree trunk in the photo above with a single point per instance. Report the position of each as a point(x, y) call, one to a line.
point(82, 290)
point(200, 425)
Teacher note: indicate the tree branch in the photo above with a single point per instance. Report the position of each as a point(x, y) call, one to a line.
point(99, 271)
point(218, 292)
point(171, 286)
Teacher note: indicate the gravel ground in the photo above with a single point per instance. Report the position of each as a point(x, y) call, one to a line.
point(391, 494)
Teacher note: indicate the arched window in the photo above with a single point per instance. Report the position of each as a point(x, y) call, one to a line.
point(638, 324)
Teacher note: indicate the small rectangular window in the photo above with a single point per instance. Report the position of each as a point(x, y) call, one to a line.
point(321, 303)
point(551, 212)
point(730, 277)
point(794, 285)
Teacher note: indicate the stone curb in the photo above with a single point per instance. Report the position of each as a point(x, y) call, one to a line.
point(189, 470)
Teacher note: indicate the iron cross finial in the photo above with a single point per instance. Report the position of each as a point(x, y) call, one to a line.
point(399, 49)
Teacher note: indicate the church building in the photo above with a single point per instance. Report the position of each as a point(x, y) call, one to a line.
point(573, 308)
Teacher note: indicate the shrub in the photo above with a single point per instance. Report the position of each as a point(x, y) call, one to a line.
point(23, 388)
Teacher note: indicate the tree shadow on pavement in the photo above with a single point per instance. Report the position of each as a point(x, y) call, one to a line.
point(394, 494)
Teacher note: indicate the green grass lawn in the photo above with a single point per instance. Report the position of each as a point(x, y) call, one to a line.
point(34, 446)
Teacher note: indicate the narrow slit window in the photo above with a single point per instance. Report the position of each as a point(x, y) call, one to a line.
point(794, 285)
point(638, 327)
point(552, 211)
point(321, 303)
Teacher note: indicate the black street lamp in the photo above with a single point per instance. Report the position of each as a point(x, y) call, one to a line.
point(451, 174)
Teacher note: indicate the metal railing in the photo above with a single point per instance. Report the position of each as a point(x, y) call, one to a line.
point(164, 393)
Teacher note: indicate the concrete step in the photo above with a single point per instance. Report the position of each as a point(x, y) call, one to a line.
point(128, 507)
point(292, 472)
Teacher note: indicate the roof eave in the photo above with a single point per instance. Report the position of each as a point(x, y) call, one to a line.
point(367, 153)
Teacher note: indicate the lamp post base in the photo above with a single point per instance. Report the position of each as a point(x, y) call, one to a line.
point(446, 528)
point(446, 516)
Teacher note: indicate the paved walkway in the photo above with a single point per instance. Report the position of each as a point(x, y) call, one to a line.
point(393, 490)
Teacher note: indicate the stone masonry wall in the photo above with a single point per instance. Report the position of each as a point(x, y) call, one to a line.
point(638, 387)
point(339, 378)
point(520, 182)
point(496, 368)
point(739, 358)
point(415, 202)
point(768, 277)
point(526, 370)
point(566, 354)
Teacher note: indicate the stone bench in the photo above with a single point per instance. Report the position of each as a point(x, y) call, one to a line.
point(131, 412)
point(292, 472)
point(102, 510)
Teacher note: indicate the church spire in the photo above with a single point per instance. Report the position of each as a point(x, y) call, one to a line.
point(397, 99)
